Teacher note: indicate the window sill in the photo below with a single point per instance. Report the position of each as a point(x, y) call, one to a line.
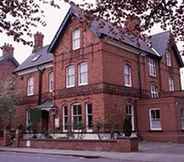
point(82, 84)
point(70, 86)
point(156, 130)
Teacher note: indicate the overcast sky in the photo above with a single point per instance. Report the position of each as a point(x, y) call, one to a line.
point(54, 18)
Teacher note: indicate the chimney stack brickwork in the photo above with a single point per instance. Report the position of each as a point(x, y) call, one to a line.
point(8, 50)
point(38, 40)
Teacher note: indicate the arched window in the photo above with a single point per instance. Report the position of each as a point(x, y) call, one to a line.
point(168, 59)
point(30, 86)
point(77, 116)
point(127, 75)
point(70, 76)
point(83, 74)
point(76, 39)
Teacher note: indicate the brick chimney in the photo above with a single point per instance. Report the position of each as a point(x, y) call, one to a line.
point(38, 40)
point(132, 24)
point(8, 50)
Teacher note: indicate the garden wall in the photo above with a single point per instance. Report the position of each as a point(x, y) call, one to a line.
point(119, 145)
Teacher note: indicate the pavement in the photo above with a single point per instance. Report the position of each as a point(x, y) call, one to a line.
point(149, 152)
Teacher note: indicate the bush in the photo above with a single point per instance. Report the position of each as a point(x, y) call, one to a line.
point(127, 126)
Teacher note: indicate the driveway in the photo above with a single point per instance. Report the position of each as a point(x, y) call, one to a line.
point(162, 148)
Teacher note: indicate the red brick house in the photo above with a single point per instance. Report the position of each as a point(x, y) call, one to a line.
point(7, 61)
point(100, 77)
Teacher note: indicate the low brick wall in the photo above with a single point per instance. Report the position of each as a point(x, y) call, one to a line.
point(120, 145)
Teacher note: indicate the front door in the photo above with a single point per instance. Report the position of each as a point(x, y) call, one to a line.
point(45, 120)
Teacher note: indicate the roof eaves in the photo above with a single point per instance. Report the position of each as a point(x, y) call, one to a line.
point(30, 67)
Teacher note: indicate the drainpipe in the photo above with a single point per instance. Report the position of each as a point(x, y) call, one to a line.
point(40, 70)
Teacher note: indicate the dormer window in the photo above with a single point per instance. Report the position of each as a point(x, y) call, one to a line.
point(168, 59)
point(76, 39)
point(30, 86)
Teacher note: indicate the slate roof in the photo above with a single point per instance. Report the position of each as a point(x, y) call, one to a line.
point(160, 42)
point(40, 57)
point(12, 59)
point(106, 30)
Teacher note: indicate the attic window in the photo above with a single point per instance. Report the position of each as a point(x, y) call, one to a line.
point(35, 58)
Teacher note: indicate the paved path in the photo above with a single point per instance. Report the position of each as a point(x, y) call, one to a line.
point(149, 152)
point(27, 157)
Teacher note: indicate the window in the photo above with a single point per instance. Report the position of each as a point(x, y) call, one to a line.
point(30, 86)
point(171, 84)
point(70, 76)
point(154, 91)
point(182, 118)
point(89, 117)
point(76, 39)
point(65, 118)
point(127, 76)
point(168, 59)
point(155, 119)
point(51, 81)
point(83, 74)
point(130, 113)
point(152, 67)
point(77, 116)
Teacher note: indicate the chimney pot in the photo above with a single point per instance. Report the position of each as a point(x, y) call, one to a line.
point(132, 24)
point(8, 50)
point(38, 40)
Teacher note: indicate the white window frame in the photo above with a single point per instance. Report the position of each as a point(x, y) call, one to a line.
point(76, 39)
point(168, 59)
point(65, 116)
point(152, 67)
point(87, 117)
point(131, 114)
point(30, 86)
point(171, 84)
point(51, 81)
point(69, 76)
point(151, 120)
point(154, 91)
point(127, 75)
point(72, 116)
point(83, 74)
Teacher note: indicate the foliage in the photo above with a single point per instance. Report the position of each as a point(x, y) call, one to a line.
point(17, 17)
point(167, 13)
point(127, 126)
point(7, 101)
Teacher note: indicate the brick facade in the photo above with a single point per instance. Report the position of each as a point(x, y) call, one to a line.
point(105, 90)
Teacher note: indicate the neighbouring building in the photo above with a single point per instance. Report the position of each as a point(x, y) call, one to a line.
point(7, 81)
point(89, 74)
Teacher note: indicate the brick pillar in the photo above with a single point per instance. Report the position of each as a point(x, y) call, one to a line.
point(18, 135)
point(6, 137)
